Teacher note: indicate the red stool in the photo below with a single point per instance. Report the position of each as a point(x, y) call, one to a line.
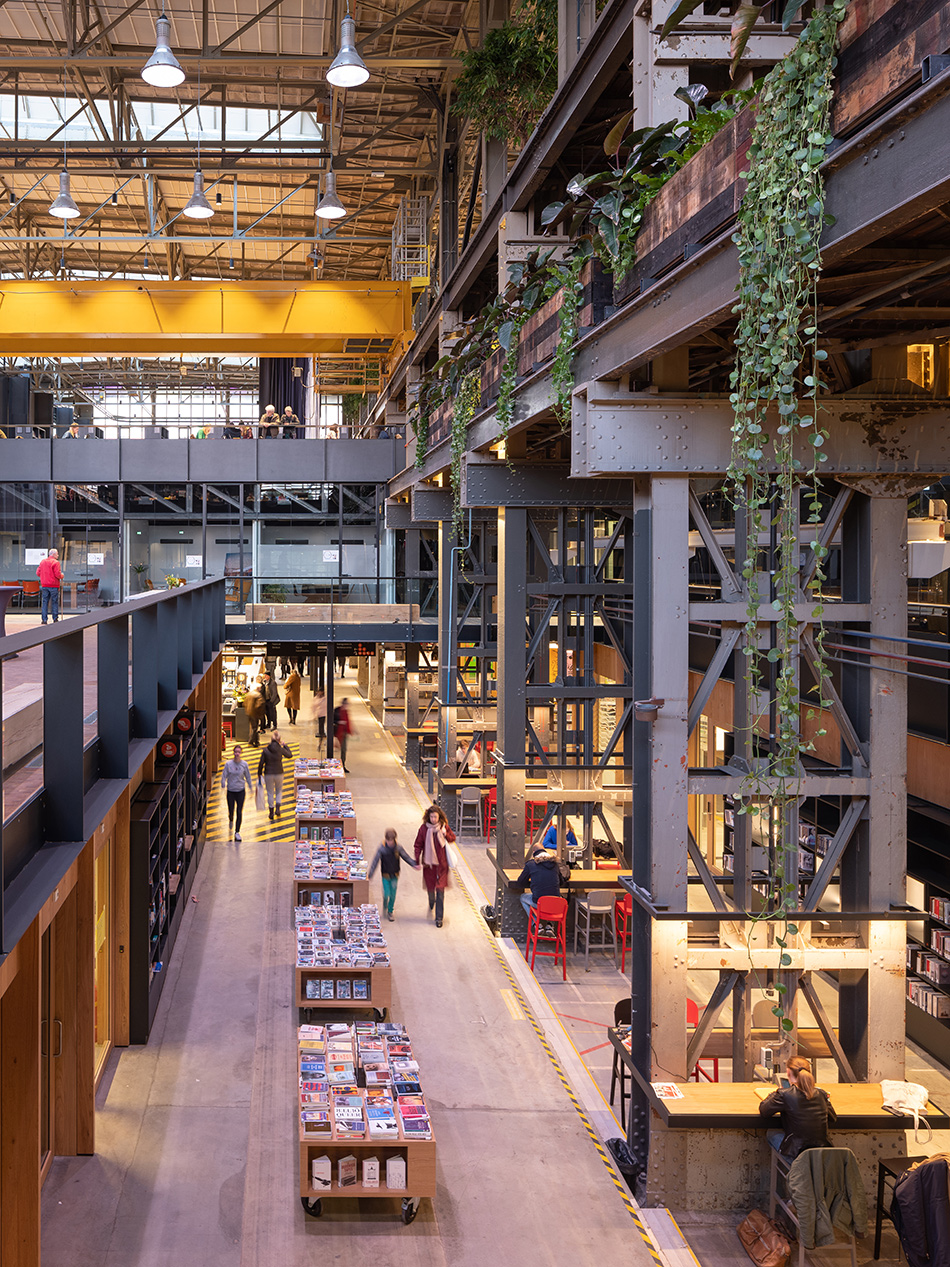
point(623, 910)
point(552, 910)
point(697, 1072)
point(534, 814)
point(490, 811)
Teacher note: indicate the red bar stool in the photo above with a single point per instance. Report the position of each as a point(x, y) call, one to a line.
point(550, 910)
point(697, 1072)
point(534, 815)
point(623, 910)
point(490, 811)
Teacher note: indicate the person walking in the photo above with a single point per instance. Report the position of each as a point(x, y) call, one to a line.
point(234, 774)
point(341, 663)
point(342, 729)
point(431, 849)
point(320, 715)
point(292, 695)
point(51, 578)
point(271, 766)
point(387, 859)
point(254, 707)
point(271, 699)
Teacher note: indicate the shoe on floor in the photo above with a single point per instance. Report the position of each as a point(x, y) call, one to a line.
point(237, 837)
point(277, 811)
point(391, 915)
point(270, 814)
point(438, 923)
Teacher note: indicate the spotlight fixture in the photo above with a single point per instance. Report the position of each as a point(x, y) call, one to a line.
point(230, 261)
point(330, 207)
point(347, 70)
point(217, 199)
point(115, 198)
point(64, 207)
point(162, 70)
point(198, 207)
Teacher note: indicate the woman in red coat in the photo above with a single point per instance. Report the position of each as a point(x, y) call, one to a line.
point(431, 850)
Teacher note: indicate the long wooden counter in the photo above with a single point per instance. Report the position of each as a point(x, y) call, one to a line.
point(581, 878)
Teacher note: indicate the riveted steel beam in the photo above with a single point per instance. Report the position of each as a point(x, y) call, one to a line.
point(615, 434)
point(497, 483)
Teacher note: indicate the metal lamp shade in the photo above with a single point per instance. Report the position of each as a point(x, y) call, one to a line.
point(198, 207)
point(330, 207)
point(347, 70)
point(63, 206)
point(162, 69)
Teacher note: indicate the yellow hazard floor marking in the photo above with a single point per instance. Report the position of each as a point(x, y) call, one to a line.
point(511, 1003)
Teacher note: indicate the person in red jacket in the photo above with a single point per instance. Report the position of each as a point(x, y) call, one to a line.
point(51, 578)
point(431, 849)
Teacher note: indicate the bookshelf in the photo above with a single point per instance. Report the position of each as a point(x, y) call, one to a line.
point(928, 967)
point(377, 982)
point(355, 892)
point(166, 839)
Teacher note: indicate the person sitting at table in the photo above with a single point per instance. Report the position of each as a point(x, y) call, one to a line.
point(470, 768)
point(550, 837)
point(806, 1112)
point(541, 877)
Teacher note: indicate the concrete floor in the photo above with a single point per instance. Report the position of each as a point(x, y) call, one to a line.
point(196, 1157)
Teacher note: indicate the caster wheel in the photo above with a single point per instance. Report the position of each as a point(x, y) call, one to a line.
point(410, 1208)
point(314, 1208)
point(380, 1013)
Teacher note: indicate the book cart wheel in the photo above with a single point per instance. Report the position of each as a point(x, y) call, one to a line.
point(313, 1207)
point(410, 1208)
point(381, 1013)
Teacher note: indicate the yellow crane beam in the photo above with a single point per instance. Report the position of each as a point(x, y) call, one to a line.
point(119, 318)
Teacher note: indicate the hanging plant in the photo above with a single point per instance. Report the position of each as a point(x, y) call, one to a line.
point(777, 374)
point(562, 370)
point(463, 411)
point(506, 83)
point(744, 20)
point(607, 207)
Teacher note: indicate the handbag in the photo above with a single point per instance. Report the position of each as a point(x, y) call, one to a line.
point(763, 1240)
point(260, 800)
point(907, 1099)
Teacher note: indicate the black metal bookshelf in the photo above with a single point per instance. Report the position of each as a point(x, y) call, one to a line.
point(166, 839)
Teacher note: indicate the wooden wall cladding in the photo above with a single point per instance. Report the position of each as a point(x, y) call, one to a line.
point(882, 45)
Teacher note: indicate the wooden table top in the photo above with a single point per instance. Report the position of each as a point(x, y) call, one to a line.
point(581, 878)
point(735, 1105)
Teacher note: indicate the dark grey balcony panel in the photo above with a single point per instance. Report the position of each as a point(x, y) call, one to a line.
point(430, 503)
point(398, 515)
point(363, 461)
point(223, 461)
point(28, 460)
point(144, 461)
point(292, 461)
point(86, 461)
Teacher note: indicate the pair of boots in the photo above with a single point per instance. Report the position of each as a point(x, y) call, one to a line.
point(272, 812)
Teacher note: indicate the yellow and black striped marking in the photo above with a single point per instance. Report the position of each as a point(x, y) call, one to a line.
point(256, 825)
point(518, 994)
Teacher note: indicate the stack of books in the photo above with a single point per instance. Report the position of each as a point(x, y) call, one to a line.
point(318, 768)
point(314, 803)
point(338, 859)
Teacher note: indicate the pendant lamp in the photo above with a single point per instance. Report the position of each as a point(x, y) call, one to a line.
point(63, 206)
point(330, 207)
point(198, 207)
point(347, 70)
point(162, 69)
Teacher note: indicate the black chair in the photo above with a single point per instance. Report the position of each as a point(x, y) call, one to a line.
point(622, 1014)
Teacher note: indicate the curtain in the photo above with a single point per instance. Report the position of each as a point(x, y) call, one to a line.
point(279, 387)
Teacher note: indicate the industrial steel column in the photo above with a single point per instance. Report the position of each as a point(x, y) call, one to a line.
point(512, 696)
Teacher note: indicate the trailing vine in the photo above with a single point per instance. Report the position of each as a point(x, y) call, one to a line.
point(777, 373)
point(562, 370)
point(504, 406)
point(465, 406)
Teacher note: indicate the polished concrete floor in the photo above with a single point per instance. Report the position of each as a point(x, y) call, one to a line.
point(196, 1159)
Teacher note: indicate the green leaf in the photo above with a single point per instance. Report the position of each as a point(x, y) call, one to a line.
point(551, 213)
point(742, 23)
point(785, 961)
point(614, 138)
point(505, 332)
point(790, 12)
point(787, 1025)
point(682, 10)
